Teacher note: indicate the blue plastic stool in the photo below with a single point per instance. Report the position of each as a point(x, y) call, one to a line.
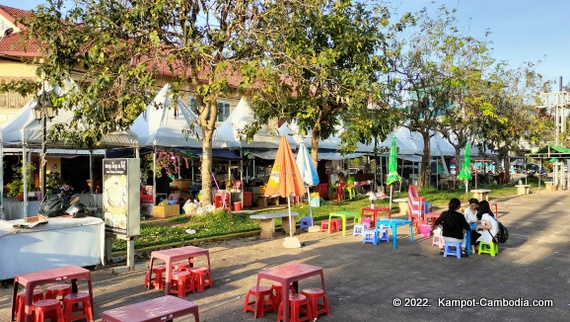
point(358, 229)
point(306, 222)
point(448, 250)
point(368, 236)
point(382, 235)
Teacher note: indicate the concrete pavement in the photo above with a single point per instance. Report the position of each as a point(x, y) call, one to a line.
point(367, 282)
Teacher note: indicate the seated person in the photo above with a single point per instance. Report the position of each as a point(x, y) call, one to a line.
point(489, 226)
point(471, 217)
point(453, 223)
point(67, 194)
point(149, 178)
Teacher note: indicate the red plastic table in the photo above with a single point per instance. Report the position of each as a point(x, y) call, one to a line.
point(287, 274)
point(160, 309)
point(171, 255)
point(373, 212)
point(431, 217)
point(54, 275)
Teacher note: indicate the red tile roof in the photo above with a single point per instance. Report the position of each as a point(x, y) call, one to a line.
point(11, 45)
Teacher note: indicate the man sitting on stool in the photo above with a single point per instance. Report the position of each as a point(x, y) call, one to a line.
point(67, 194)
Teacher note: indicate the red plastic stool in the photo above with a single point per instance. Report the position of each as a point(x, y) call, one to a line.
point(314, 294)
point(265, 302)
point(180, 266)
point(276, 288)
point(158, 270)
point(49, 308)
point(21, 300)
point(336, 225)
point(54, 291)
point(70, 307)
point(199, 278)
point(298, 305)
point(325, 225)
point(182, 283)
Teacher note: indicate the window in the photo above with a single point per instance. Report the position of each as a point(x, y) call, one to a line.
point(223, 111)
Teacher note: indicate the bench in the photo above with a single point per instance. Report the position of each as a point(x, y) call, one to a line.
point(522, 189)
point(267, 224)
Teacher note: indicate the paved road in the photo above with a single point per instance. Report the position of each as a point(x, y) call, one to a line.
point(363, 281)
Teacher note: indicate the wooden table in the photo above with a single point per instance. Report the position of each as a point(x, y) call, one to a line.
point(160, 309)
point(394, 223)
point(171, 255)
point(343, 215)
point(53, 275)
point(365, 212)
point(287, 274)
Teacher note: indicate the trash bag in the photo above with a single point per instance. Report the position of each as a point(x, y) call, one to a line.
point(52, 208)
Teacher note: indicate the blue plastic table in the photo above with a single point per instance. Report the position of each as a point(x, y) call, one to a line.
point(468, 238)
point(394, 223)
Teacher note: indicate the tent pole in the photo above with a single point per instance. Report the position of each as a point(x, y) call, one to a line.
point(242, 186)
point(25, 175)
point(92, 201)
point(154, 173)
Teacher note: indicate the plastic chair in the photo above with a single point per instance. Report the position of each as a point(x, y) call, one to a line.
point(453, 249)
point(350, 187)
point(359, 229)
point(416, 206)
point(488, 248)
point(265, 303)
point(382, 235)
point(300, 309)
point(368, 237)
point(70, 306)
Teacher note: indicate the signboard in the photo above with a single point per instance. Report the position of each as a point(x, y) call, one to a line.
point(121, 196)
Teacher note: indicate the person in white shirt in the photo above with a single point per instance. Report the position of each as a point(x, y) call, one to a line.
point(471, 216)
point(488, 226)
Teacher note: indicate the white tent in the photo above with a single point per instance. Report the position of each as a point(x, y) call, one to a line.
point(415, 144)
point(171, 125)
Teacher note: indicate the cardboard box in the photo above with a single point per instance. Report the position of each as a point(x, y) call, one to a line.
point(166, 211)
point(182, 184)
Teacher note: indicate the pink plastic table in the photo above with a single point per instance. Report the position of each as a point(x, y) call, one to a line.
point(54, 275)
point(160, 309)
point(287, 274)
point(174, 254)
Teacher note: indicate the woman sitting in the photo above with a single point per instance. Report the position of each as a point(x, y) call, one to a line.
point(489, 226)
point(471, 217)
point(453, 223)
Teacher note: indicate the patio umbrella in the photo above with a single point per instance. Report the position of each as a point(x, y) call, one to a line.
point(393, 176)
point(285, 181)
point(308, 174)
point(465, 173)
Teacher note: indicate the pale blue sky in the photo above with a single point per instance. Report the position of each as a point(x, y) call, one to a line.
point(521, 30)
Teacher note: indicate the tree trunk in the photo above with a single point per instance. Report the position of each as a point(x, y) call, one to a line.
point(207, 167)
point(315, 145)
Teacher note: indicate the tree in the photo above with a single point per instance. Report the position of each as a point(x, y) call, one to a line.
point(119, 51)
point(323, 62)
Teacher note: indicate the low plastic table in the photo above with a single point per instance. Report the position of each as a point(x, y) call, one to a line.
point(373, 212)
point(160, 309)
point(394, 223)
point(54, 275)
point(169, 256)
point(343, 215)
point(287, 274)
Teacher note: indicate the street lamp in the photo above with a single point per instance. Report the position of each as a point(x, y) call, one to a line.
point(44, 110)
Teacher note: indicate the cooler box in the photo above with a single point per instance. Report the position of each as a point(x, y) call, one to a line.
point(323, 189)
point(247, 198)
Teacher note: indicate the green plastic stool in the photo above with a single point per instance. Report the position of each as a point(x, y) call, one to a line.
point(488, 248)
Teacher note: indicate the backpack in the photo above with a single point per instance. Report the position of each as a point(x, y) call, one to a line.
point(502, 235)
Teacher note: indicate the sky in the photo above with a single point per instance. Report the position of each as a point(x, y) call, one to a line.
point(521, 30)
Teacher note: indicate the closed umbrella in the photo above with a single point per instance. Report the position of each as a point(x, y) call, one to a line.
point(465, 173)
point(285, 181)
point(393, 176)
point(308, 174)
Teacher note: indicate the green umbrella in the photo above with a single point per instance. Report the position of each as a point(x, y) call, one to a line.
point(393, 176)
point(465, 173)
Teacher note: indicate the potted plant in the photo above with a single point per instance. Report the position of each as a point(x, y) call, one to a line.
point(16, 186)
point(53, 182)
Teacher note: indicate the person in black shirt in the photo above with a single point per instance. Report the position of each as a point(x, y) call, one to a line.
point(67, 194)
point(163, 182)
point(454, 223)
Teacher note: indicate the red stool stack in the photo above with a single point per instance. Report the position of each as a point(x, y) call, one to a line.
point(180, 266)
point(48, 308)
point(58, 291)
point(21, 300)
point(265, 303)
point(201, 277)
point(314, 294)
point(299, 305)
point(158, 271)
point(325, 225)
point(70, 307)
point(182, 283)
